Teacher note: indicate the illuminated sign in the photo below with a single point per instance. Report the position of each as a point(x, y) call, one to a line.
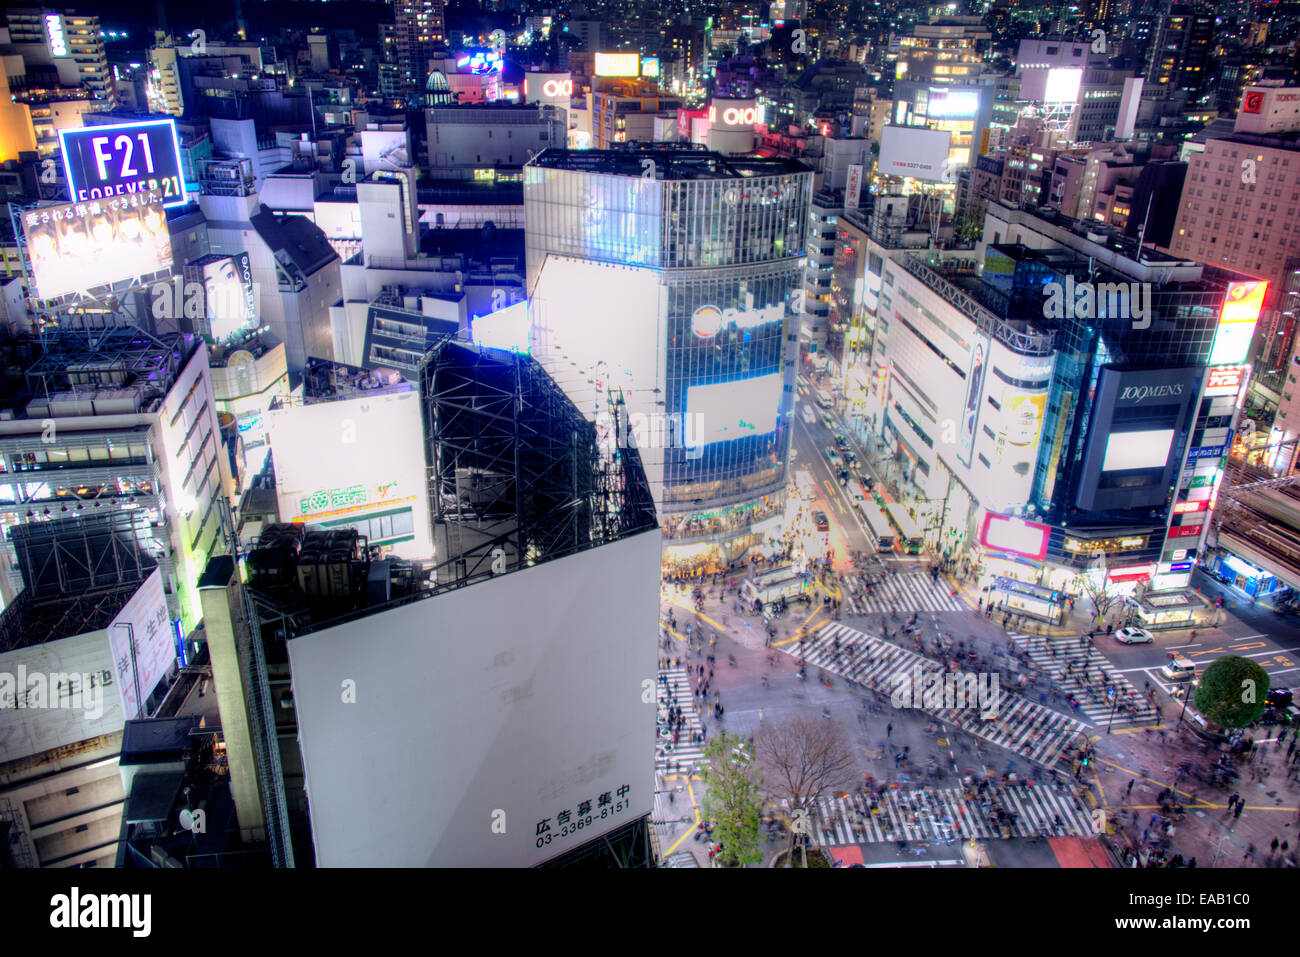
point(1133, 573)
point(650, 66)
point(1206, 452)
point(1182, 508)
point(735, 117)
point(708, 321)
point(558, 88)
point(54, 30)
point(1243, 301)
point(1063, 85)
point(1005, 533)
point(959, 104)
point(1224, 381)
point(735, 409)
point(1253, 102)
point(618, 64)
point(74, 247)
point(103, 161)
point(1181, 567)
point(1183, 531)
point(480, 62)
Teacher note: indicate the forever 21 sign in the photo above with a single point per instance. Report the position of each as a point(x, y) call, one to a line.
point(104, 161)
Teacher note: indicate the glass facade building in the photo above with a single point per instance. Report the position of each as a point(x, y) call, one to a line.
point(724, 237)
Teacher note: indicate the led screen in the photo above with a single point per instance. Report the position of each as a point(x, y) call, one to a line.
point(962, 104)
point(618, 64)
point(1137, 450)
point(105, 161)
point(1063, 85)
point(1013, 535)
point(75, 247)
point(732, 410)
point(228, 293)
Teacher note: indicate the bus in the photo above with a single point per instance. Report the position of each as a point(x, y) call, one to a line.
point(806, 485)
point(808, 415)
point(881, 533)
point(823, 399)
point(909, 535)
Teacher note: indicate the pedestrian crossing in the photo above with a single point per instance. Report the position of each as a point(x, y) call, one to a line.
point(680, 859)
point(1029, 729)
point(675, 688)
point(1077, 670)
point(901, 591)
point(947, 815)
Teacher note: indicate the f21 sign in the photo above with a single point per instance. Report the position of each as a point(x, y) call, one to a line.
point(106, 161)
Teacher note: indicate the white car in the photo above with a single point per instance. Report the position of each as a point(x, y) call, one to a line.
point(1134, 636)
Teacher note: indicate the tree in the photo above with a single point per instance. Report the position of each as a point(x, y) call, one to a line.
point(805, 756)
point(1096, 585)
point(1231, 692)
point(733, 799)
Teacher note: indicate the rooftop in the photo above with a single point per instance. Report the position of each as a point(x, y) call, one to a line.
point(672, 162)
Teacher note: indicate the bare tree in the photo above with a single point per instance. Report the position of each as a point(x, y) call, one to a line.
point(1096, 585)
point(803, 757)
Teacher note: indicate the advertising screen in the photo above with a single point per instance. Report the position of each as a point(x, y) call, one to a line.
point(914, 151)
point(1005, 533)
point(732, 410)
point(953, 104)
point(385, 149)
point(356, 463)
point(1137, 450)
point(143, 644)
point(106, 161)
point(1241, 307)
point(975, 389)
point(1063, 85)
point(75, 247)
point(485, 706)
point(618, 64)
point(230, 304)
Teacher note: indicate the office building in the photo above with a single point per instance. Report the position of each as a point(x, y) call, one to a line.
point(702, 255)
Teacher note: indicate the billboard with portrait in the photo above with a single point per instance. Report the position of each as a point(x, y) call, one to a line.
point(229, 300)
point(979, 361)
point(76, 247)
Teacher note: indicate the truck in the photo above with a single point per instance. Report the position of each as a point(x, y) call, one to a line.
point(767, 590)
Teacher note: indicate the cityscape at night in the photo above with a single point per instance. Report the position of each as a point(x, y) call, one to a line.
point(607, 435)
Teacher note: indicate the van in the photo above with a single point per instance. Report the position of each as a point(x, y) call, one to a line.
point(1178, 668)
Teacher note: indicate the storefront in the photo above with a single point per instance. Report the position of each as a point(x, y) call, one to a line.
point(1162, 611)
point(1243, 575)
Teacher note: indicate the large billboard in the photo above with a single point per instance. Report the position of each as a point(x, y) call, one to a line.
point(553, 88)
point(385, 149)
point(733, 410)
point(618, 64)
point(914, 151)
point(76, 247)
point(487, 728)
point(143, 645)
point(1006, 533)
point(1139, 420)
point(355, 463)
point(106, 161)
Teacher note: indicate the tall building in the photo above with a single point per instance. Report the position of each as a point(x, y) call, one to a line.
point(69, 41)
point(668, 274)
point(420, 34)
point(1240, 210)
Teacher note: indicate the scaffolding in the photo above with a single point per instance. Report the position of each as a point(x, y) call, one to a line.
point(516, 474)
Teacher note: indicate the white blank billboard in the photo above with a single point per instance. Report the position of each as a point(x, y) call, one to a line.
point(914, 151)
point(733, 410)
point(486, 716)
point(1137, 450)
point(144, 623)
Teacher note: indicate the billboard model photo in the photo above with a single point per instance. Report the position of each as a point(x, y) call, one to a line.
point(76, 247)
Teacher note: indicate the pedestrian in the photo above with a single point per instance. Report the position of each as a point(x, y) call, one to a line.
point(889, 730)
point(1237, 813)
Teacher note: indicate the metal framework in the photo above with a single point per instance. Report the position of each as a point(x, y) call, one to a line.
point(110, 357)
point(515, 467)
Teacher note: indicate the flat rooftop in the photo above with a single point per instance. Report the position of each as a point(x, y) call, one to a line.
point(672, 162)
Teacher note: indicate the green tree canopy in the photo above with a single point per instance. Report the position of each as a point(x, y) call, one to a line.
point(733, 799)
point(1231, 692)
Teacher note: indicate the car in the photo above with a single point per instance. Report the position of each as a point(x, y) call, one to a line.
point(841, 440)
point(1133, 635)
point(1178, 668)
point(823, 523)
point(1279, 698)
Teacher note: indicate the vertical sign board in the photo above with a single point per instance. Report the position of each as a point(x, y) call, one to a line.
point(974, 390)
point(853, 189)
point(145, 624)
